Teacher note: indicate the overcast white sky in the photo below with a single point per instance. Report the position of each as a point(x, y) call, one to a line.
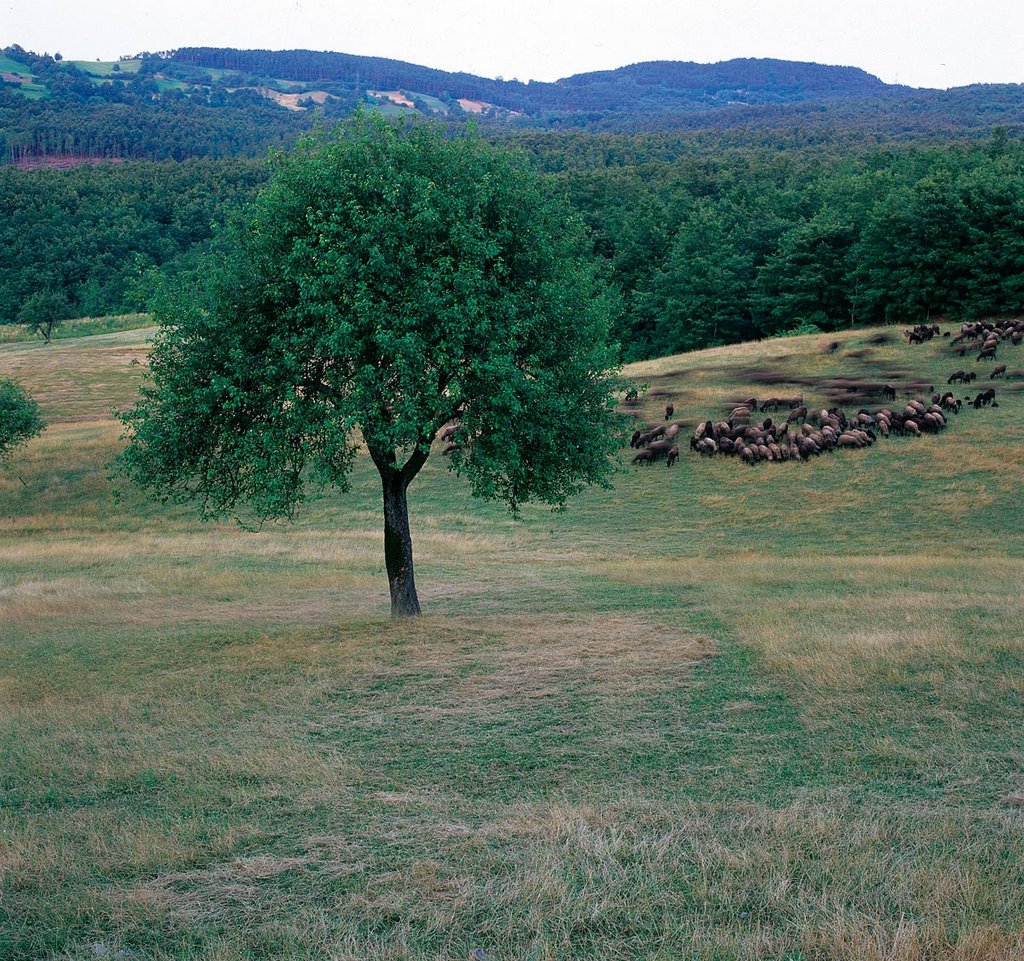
point(922, 43)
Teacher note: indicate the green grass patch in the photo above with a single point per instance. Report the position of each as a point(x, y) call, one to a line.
point(438, 106)
point(105, 68)
point(7, 65)
point(714, 712)
point(79, 327)
point(389, 109)
point(31, 87)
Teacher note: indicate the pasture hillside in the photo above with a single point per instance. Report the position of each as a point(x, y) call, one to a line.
point(719, 711)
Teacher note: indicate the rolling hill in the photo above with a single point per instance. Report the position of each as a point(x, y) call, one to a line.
point(717, 711)
point(204, 101)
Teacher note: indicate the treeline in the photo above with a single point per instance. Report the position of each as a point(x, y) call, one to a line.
point(719, 246)
point(710, 240)
point(173, 128)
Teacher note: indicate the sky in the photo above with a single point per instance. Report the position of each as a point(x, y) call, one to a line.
point(920, 43)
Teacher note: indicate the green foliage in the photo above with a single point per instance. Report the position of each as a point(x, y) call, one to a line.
point(43, 310)
point(386, 280)
point(88, 231)
point(800, 329)
point(20, 420)
point(746, 242)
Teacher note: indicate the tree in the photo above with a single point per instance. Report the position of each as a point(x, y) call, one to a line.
point(19, 418)
point(389, 280)
point(806, 280)
point(700, 296)
point(43, 311)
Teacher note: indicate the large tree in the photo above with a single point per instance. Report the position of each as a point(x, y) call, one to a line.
point(387, 282)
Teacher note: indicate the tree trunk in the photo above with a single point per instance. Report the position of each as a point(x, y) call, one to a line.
point(398, 547)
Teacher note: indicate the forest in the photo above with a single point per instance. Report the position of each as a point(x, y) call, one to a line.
point(708, 241)
point(837, 210)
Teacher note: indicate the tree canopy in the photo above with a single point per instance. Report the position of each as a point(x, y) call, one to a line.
point(20, 420)
point(388, 281)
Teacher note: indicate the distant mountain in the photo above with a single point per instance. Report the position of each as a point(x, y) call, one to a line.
point(657, 85)
point(221, 102)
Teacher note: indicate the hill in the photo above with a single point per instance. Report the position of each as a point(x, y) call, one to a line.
point(716, 711)
point(205, 101)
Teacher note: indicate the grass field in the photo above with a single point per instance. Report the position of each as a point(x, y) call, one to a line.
point(31, 87)
point(105, 68)
point(717, 712)
point(79, 327)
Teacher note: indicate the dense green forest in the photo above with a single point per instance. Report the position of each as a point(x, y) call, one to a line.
point(710, 239)
point(89, 235)
point(722, 242)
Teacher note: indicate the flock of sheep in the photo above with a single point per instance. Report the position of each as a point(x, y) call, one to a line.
point(809, 432)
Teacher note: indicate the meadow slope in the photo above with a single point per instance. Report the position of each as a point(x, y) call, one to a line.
point(716, 712)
